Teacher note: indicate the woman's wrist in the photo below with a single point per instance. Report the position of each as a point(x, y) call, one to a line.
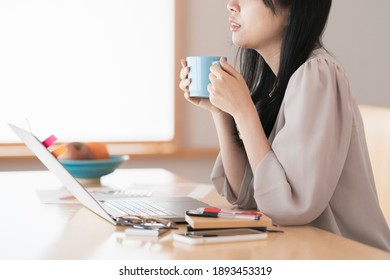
point(220, 114)
point(224, 123)
point(246, 115)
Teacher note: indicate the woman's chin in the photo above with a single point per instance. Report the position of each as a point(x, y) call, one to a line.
point(239, 42)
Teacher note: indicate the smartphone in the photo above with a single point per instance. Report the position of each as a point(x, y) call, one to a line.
point(219, 236)
point(145, 231)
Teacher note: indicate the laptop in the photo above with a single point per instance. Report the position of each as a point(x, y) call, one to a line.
point(163, 207)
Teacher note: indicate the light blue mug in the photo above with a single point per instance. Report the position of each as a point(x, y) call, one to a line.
point(199, 74)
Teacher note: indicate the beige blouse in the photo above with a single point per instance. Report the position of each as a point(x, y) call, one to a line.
point(318, 171)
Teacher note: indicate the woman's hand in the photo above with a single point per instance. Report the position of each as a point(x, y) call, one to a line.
point(228, 89)
point(185, 82)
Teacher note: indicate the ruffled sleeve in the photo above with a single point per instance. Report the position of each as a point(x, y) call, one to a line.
point(245, 198)
point(294, 183)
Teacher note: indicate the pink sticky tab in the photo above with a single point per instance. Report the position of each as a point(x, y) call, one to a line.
point(49, 141)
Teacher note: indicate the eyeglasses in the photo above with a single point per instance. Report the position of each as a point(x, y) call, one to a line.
point(145, 222)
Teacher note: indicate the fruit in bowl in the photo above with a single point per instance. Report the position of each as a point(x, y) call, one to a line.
point(98, 150)
point(85, 151)
point(90, 160)
point(76, 151)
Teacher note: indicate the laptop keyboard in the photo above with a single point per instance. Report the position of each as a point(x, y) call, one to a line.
point(137, 207)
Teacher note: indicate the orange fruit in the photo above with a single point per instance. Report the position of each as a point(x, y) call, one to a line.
point(99, 150)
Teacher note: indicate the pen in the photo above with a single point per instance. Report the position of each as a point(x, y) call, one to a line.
point(214, 214)
point(236, 216)
point(222, 212)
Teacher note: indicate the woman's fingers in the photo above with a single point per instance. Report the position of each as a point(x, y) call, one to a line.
point(210, 89)
point(224, 69)
point(187, 95)
point(228, 68)
point(183, 62)
point(184, 84)
point(184, 72)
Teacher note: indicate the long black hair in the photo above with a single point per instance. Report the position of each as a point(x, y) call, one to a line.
point(302, 34)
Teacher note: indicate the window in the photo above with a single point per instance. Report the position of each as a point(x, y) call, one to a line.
point(88, 70)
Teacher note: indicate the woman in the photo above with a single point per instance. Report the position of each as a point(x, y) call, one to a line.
point(291, 136)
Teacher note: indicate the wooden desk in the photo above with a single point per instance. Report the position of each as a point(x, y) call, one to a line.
point(32, 230)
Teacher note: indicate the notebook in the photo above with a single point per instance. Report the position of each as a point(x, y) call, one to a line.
point(220, 222)
point(171, 208)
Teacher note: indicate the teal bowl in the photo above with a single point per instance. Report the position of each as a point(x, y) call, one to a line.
point(91, 169)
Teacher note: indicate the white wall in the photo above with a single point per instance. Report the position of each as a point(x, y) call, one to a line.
point(205, 31)
point(358, 34)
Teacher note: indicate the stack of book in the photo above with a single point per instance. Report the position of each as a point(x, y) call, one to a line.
point(224, 220)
